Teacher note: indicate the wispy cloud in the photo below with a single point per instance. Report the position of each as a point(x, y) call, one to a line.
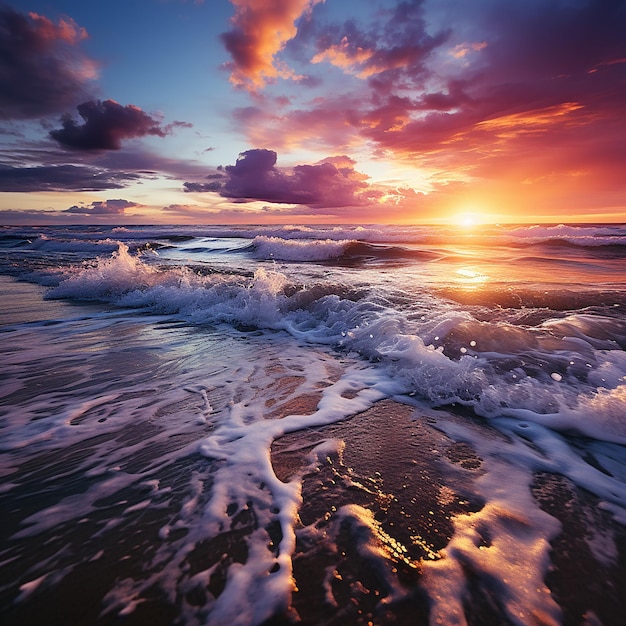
point(62, 178)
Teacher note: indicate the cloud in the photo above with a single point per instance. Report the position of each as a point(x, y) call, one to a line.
point(216, 213)
point(530, 59)
point(62, 178)
point(465, 92)
point(332, 182)
point(42, 167)
point(332, 122)
point(42, 69)
point(397, 41)
point(201, 187)
point(103, 207)
point(140, 160)
point(260, 28)
point(106, 125)
point(216, 185)
point(512, 102)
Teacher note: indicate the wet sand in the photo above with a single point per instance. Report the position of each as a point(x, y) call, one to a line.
point(414, 479)
point(23, 302)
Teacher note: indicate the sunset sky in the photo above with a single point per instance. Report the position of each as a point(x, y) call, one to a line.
point(312, 111)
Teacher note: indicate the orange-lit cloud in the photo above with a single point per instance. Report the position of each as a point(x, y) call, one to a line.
point(260, 28)
point(529, 121)
point(463, 49)
point(343, 55)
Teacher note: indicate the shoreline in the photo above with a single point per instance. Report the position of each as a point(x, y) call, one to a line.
point(23, 302)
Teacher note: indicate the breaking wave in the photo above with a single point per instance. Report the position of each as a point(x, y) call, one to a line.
point(550, 373)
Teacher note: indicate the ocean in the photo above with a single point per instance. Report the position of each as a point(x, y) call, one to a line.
point(335, 425)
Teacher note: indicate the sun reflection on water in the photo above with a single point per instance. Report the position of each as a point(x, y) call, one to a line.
point(470, 278)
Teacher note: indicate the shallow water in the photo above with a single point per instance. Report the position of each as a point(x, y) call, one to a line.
point(336, 425)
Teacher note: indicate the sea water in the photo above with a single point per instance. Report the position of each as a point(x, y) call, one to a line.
point(197, 422)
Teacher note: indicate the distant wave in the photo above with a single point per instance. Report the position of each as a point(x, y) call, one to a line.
point(568, 236)
point(52, 244)
point(588, 235)
point(297, 250)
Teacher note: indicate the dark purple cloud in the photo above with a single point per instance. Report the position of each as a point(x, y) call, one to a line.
point(216, 185)
point(103, 207)
point(192, 187)
point(398, 42)
point(332, 182)
point(106, 124)
point(42, 70)
point(62, 178)
point(37, 167)
point(530, 56)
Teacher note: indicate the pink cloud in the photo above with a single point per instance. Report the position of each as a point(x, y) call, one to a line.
point(463, 49)
point(66, 30)
point(328, 123)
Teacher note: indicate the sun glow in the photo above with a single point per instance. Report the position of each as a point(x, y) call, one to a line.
point(465, 220)
point(470, 215)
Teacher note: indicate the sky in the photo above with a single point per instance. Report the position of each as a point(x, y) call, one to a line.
point(312, 111)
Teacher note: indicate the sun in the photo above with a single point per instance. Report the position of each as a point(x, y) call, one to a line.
point(467, 220)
